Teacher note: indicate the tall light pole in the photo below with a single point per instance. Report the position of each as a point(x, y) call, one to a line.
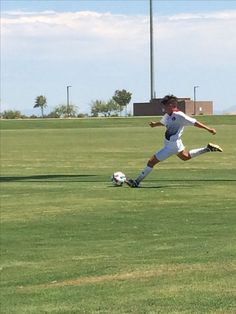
point(194, 98)
point(151, 54)
point(68, 98)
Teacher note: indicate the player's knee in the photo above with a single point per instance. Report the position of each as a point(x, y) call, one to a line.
point(186, 157)
point(152, 162)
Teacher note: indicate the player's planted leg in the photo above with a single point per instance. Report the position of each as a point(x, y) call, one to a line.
point(151, 163)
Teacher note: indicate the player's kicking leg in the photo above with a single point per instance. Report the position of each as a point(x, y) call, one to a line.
point(186, 155)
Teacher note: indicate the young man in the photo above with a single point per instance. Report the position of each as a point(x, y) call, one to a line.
point(174, 121)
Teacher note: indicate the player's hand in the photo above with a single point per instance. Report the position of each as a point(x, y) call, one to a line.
point(212, 131)
point(152, 124)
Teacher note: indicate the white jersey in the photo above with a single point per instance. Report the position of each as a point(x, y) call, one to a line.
point(175, 124)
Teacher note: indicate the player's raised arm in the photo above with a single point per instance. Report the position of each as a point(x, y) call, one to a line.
point(203, 126)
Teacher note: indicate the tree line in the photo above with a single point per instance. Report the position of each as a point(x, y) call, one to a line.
point(113, 107)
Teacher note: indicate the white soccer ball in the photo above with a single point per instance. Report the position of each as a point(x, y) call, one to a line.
point(118, 178)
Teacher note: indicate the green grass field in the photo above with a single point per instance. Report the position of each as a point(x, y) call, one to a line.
point(73, 243)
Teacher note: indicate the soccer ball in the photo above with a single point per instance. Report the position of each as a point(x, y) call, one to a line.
point(118, 178)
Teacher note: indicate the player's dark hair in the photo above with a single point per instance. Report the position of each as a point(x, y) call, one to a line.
point(169, 99)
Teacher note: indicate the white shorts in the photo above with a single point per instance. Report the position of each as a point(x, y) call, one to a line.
point(170, 148)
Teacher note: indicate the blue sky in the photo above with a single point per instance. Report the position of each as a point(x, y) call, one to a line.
point(103, 45)
point(118, 6)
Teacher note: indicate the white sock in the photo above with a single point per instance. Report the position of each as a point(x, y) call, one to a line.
point(143, 174)
point(198, 151)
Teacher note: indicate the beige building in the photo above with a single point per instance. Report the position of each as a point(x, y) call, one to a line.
point(188, 106)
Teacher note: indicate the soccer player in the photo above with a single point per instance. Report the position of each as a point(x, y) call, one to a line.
point(174, 121)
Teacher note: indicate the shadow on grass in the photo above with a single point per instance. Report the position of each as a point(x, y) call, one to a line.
point(173, 183)
point(98, 178)
point(146, 187)
point(52, 178)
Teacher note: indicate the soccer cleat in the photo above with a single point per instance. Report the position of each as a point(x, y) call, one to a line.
point(132, 183)
point(214, 148)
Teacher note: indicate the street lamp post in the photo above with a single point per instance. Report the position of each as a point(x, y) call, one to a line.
point(194, 99)
point(68, 98)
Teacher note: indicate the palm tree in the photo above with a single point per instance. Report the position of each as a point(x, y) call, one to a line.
point(40, 101)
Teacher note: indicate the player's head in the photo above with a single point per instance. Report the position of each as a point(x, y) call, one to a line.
point(169, 103)
point(170, 100)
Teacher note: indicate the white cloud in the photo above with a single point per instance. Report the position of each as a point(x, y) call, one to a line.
point(88, 34)
point(217, 15)
point(206, 39)
point(85, 32)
